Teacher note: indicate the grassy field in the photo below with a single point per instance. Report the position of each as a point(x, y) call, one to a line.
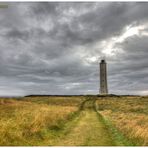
point(27, 122)
point(74, 121)
point(129, 115)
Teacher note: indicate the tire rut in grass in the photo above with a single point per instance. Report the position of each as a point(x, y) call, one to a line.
point(56, 134)
point(117, 136)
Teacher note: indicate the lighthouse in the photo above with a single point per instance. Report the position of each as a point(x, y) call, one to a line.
point(103, 78)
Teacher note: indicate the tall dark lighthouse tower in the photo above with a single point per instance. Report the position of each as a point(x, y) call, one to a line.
point(103, 78)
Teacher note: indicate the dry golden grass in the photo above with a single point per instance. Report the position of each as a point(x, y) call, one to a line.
point(54, 100)
point(37, 120)
point(130, 115)
point(22, 121)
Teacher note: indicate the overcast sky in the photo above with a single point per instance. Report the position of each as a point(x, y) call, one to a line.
point(55, 48)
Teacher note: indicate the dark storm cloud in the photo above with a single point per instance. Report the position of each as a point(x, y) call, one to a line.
point(17, 34)
point(55, 48)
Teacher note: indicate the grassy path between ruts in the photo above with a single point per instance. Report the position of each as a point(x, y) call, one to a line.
point(88, 132)
point(88, 129)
